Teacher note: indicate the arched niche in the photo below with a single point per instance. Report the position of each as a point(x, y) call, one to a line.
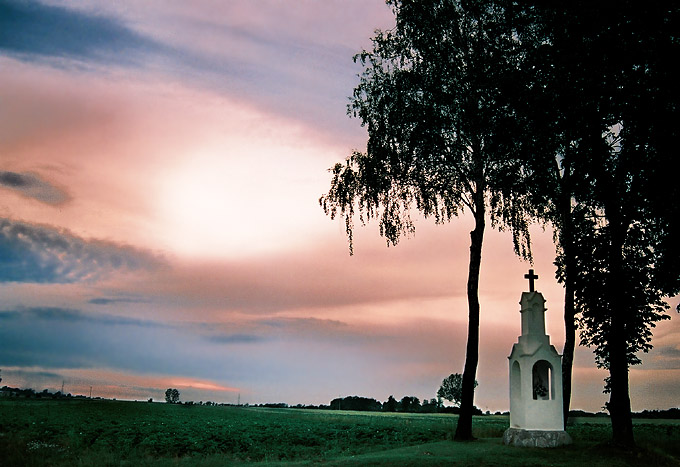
point(542, 380)
point(516, 380)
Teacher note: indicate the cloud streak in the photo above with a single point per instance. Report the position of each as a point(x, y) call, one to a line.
point(51, 337)
point(41, 254)
point(115, 301)
point(66, 315)
point(292, 72)
point(32, 29)
point(32, 186)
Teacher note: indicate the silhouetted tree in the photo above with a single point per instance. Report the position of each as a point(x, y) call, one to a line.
point(409, 404)
point(171, 396)
point(442, 138)
point(390, 404)
point(451, 388)
point(552, 173)
point(356, 403)
point(605, 83)
point(429, 406)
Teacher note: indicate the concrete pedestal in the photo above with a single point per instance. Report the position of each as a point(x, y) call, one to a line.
point(535, 438)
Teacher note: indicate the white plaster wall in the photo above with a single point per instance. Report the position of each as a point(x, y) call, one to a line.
point(536, 414)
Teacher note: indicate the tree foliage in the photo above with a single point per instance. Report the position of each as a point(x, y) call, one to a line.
point(171, 396)
point(644, 301)
point(451, 389)
point(390, 405)
point(356, 403)
point(435, 97)
point(409, 404)
point(604, 84)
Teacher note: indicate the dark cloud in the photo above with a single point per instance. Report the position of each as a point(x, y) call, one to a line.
point(34, 29)
point(661, 357)
point(280, 329)
point(315, 328)
point(5, 315)
point(267, 330)
point(115, 301)
point(235, 339)
point(54, 338)
point(13, 180)
point(304, 323)
point(31, 31)
point(669, 351)
point(67, 315)
point(31, 186)
point(31, 253)
point(51, 337)
point(35, 374)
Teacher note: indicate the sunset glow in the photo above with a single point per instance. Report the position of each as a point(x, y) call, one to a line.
point(160, 226)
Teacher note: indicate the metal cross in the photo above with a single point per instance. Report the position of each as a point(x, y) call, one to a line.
point(531, 276)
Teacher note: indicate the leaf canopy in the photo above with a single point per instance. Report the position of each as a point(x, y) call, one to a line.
point(436, 96)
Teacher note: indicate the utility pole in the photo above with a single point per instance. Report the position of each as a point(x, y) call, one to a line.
point(90, 392)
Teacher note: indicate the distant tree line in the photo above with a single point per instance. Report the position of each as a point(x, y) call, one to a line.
point(29, 393)
point(407, 404)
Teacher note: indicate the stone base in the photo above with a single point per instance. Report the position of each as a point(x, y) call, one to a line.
point(535, 438)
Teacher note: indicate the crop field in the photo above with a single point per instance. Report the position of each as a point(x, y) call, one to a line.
point(112, 433)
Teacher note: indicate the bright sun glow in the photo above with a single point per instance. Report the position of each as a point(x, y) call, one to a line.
point(204, 207)
point(219, 205)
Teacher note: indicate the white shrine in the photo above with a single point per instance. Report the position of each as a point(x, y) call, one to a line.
point(536, 408)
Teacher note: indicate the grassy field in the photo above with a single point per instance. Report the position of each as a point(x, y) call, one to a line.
point(99, 432)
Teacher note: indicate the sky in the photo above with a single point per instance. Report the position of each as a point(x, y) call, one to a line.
point(160, 169)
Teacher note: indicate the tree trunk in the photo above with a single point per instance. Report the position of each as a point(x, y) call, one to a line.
point(619, 398)
point(569, 312)
point(464, 427)
point(569, 344)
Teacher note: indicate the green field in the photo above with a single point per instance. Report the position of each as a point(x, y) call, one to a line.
point(100, 432)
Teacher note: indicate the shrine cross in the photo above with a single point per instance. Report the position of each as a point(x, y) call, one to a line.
point(531, 276)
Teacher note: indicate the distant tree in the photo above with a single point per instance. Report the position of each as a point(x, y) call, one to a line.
point(409, 404)
point(171, 396)
point(275, 405)
point(356, 403)
point(452, 389)
point(429, 406)
point(390, 405)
